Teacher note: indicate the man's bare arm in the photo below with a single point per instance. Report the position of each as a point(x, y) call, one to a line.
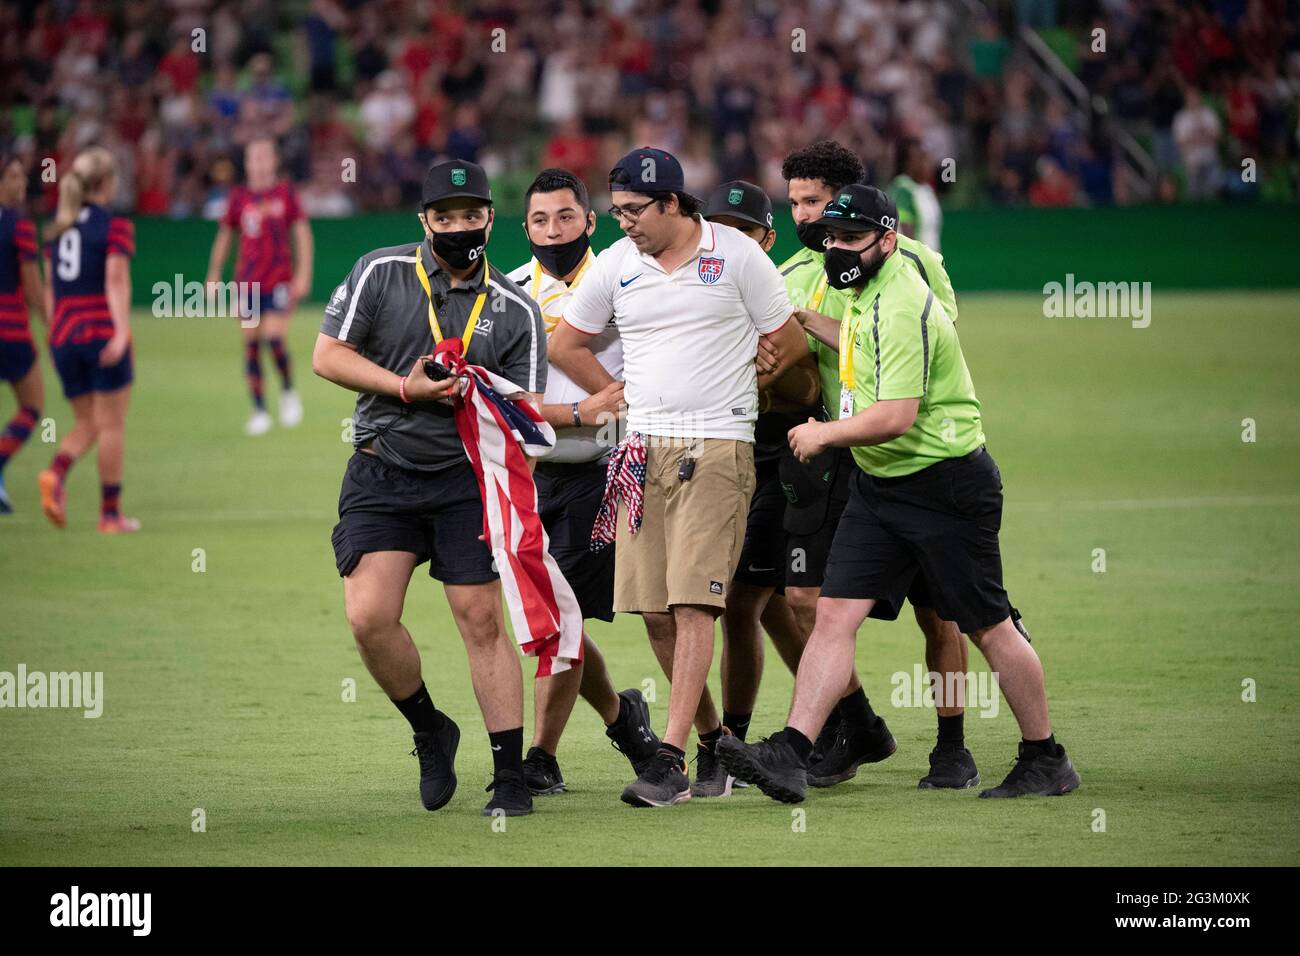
point(821, 327)
point(790, 346)
point(801, 385)
point(569, 350)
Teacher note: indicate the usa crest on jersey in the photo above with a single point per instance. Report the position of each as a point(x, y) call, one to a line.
point(710, 269)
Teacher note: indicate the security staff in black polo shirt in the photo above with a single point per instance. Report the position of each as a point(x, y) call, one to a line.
point(409, 494)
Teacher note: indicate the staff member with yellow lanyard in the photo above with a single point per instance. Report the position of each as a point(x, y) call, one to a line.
point(817, 491)
point(409, 494)
point(851, 735)
point(926, 498)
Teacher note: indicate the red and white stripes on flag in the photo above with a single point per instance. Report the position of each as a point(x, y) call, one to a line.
point(498, 433)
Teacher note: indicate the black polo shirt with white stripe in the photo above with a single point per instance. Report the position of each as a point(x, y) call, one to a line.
point(382, 310)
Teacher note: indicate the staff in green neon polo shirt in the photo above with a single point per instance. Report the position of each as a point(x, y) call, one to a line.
point(818, 492)
point(926, 498)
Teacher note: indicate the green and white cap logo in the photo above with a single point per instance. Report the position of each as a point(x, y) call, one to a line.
point(458, 176)
point(735, 196)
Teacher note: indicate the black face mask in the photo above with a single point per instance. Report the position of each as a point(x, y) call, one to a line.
point(460, 250)
point(563, 257)
point(812, 236)
point(845, 268)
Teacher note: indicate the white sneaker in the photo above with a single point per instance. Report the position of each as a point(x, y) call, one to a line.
point(259, 423)
point(290, 409)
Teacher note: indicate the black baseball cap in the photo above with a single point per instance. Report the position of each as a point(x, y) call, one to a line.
point(452, 179)
point(648, 170)
point(859, 208)
point(807, 489)
point(741, 200)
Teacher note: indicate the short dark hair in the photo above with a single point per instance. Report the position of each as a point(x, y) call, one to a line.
point(826, 160)
point(553, 180)
point(687, 205)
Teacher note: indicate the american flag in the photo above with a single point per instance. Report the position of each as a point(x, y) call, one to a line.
point(625, 479)
point(498, 434)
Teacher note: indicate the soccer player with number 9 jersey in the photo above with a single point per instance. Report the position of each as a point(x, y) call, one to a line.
point(88, 270)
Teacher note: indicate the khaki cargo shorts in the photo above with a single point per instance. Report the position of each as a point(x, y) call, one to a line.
point(691, 531)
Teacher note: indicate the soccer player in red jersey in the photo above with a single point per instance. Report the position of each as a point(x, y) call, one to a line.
point(20, 291)
point(273, 277)
point(88, 286)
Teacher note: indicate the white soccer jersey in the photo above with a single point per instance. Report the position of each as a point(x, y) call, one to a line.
point(552, 296)
point(690, 336)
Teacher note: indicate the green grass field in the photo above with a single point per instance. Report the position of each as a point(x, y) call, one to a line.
point(223, 688)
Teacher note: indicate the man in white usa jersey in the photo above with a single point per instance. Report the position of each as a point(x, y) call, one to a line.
point(690, 299)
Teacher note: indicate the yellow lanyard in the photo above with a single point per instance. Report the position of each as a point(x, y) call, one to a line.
point(551, 321)
point(820, 294)
point(848, 329)
point(434, 327)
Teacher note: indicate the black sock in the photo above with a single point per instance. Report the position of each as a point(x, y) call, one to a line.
point(664, 748)
point(952, 730)
point(419, 711)
point(507, 750)
point(856, 709)
point(1047, 747)
point(738, 724)
point(710, 740)
point(800, 744)
point(623, 711)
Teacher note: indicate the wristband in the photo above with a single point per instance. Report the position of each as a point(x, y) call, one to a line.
point(401, 390)
point(577, 418)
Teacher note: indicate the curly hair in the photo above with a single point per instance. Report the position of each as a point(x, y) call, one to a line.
point(826, 160)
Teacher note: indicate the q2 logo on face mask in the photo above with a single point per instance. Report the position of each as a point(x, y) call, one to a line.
point(851, 275)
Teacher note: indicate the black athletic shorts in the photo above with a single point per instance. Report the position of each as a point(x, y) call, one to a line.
point(942, 522)
point(762, 557)
point(568, 498)
point(816, 494)
point(435, 515)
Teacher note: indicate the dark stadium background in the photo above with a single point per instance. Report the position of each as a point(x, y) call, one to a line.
point(1015, 94)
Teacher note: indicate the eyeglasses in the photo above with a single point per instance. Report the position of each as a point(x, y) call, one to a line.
point(630, 213)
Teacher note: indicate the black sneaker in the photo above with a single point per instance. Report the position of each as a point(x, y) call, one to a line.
point(1037, 774)
point(771, 765)
point(510, 795)
point(852, 748)
point(631, 734)
point(437, 752)
point(542, 773)
point(661, 784)
point(951, 768)
point(826, 739)
point(711, 778)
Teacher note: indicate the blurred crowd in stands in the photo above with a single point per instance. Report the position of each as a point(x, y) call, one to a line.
point(363, 94)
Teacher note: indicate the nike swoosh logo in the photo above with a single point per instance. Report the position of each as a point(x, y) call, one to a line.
point(497, 747)
point(625, 284)
point(754, 570)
